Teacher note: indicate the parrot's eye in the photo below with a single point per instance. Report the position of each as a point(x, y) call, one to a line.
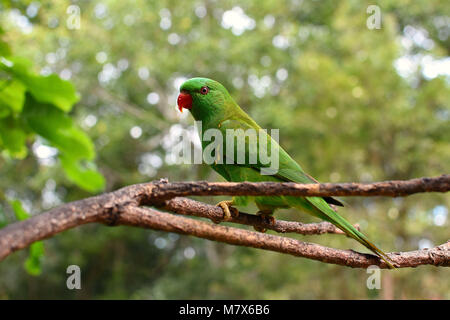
point(204, 90)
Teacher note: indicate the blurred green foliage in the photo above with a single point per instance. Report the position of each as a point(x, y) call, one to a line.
point(33, 104)
point(352, 104)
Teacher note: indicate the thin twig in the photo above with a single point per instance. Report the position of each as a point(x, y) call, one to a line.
point(190, 207)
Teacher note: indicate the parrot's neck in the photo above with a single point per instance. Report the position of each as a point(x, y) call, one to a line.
point(213, 118)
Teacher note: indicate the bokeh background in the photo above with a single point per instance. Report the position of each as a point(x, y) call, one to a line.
point(351, 103)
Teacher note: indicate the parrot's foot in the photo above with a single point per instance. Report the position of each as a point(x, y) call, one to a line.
point(267, 217)
point(227, 208)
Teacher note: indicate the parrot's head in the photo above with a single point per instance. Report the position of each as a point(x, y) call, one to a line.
point(204, 97)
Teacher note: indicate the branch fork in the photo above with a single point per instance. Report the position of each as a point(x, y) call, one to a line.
point(130, 206)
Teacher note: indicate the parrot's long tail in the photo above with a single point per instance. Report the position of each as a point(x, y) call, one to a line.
point(325, 212)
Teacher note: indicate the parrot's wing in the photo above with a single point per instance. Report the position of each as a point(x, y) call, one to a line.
point(289, 170)
point(299, 176)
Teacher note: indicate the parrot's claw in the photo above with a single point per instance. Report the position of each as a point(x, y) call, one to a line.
point(227, 208)
point(266, 217)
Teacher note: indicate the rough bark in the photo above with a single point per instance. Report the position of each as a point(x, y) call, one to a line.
point(395, 188)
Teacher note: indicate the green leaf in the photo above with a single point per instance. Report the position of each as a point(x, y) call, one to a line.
point(86, 176)
point(13, 138)
point(57, 127)
point(15, 65)
point(19, 211)
point(12, 95)
point(76, 148)
point(52, 89)
point(46, 89)
point(33, 264)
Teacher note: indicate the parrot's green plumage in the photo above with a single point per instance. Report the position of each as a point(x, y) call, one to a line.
point(210, 103)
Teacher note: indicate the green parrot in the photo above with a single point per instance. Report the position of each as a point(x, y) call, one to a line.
point(209, 102)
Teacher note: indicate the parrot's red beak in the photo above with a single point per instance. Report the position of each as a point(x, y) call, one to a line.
point(184, 101)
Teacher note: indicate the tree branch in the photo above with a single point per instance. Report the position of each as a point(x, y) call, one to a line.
point(190, 207)
point(149, 218)
point(394, 188)
point(122, 207)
